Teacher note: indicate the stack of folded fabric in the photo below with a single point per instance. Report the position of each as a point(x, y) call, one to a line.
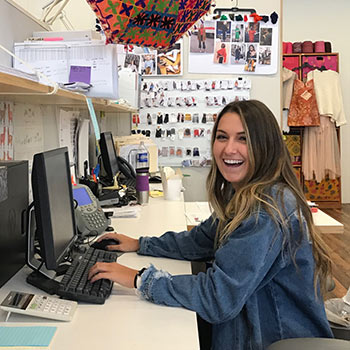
point(307, 46)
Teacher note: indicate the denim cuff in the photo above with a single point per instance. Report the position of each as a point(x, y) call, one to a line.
point(148, 278)
point(143, 244)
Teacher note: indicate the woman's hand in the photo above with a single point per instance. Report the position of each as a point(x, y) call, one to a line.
point(126, 244)
point(114, 272)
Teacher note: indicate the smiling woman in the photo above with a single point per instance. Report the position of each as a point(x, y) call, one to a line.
point(268, 262)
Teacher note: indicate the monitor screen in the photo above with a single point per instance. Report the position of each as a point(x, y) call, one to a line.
point(53, 205)
point(109, 156)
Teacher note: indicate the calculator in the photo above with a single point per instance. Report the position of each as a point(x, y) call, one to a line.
point(39, 306)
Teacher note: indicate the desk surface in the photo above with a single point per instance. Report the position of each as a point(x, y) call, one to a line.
point(198, 211)
point(124, 321)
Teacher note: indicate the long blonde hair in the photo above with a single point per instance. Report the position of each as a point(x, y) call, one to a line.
point(269, 164)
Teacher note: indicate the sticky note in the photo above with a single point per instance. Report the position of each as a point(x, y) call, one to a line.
point(26, 336)
point(80, 74)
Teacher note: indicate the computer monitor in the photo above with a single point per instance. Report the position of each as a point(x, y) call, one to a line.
point(109, 156)
point(53, 205)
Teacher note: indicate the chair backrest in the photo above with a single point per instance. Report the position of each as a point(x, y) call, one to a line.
point(310, 344)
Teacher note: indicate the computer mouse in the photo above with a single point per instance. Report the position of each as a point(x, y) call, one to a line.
point(105, 242)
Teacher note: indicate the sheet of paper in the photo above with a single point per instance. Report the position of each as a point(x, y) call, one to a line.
point(55, 60)
point(26, 336)
point(80, 73)
point(124, 212)
point(82, 146)
point(67, 127)
point(6, 131)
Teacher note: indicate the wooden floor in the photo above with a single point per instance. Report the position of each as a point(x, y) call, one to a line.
point(339, 248)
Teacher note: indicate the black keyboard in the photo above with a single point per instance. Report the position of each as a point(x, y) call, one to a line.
point(75, 285)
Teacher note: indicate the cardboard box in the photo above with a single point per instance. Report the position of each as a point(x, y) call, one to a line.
point(126, 147)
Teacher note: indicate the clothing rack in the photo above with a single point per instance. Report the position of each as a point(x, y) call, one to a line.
point(308, 65)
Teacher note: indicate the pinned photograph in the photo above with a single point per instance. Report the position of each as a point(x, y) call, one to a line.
point(238, 53)
point(266, 36)
point(221, 52)
point(132, 62)
point(252, 33)
point(250, 65)
point(238, 33)
point(169, 63)
point(223, 31)
point(251, 52)
point(265, 55)
point(202, 38)
point(148, 64)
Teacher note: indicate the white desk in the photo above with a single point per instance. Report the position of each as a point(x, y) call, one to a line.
point(198, 211)
point(124, 321)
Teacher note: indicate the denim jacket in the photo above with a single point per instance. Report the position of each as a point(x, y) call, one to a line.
point(253, 295)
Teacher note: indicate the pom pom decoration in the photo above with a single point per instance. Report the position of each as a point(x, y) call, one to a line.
point(148, 23)
point(256, 17)
point(274, 17)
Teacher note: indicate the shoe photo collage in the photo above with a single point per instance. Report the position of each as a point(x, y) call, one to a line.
point(179, 116)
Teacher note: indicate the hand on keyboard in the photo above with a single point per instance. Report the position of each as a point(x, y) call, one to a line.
point(114, 272)
point(75, 284)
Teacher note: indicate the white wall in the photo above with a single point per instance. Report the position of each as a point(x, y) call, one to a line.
point(265, 88)
point(78, 12)
point(329, 21)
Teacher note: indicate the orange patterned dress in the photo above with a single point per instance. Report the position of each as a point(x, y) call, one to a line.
point(303, 109)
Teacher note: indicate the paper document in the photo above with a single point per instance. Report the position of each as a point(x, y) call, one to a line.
point(26, 336)
point(125, 212)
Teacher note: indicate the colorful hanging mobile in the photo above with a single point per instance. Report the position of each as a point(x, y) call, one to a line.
point(149, 23)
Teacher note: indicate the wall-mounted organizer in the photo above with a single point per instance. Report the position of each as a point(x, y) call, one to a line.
point(179, 116)
point(326, 193)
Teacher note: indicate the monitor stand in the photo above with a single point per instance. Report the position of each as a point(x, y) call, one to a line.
point(41, 277)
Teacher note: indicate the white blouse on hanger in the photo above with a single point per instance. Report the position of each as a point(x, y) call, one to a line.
point(328, 94)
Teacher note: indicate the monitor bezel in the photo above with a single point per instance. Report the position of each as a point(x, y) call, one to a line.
point(111, 166)
point(41, 202)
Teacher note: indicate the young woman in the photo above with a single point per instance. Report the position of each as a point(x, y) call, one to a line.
point(268, 262)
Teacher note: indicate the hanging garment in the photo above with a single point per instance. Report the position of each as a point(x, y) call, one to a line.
point(303, 107)
point(288, 83)
point(328, 94)
point(321, 156)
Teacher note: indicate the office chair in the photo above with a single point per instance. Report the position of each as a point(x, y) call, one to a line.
point(310, 344)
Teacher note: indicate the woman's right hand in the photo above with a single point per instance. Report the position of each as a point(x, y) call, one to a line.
point(125, 243)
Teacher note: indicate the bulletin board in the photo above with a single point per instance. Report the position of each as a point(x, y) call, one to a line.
point(238, 47)
point(179, 116)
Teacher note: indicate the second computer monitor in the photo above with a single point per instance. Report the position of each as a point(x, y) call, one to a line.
point(53, 205)
point(109, 156)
